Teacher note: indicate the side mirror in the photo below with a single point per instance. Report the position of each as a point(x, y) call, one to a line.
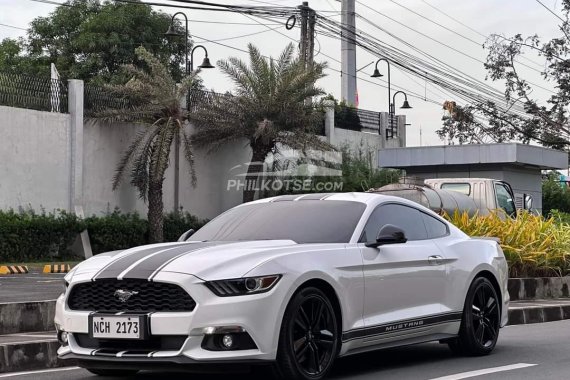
point(186, 235)
point(528, 202)
point(389, 234)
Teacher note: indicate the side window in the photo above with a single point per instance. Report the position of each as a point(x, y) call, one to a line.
point(464, 188)
point(435, 228)
point(407, 218)
point(505, 200)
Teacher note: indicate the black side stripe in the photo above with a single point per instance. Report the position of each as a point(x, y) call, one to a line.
point(404, 325)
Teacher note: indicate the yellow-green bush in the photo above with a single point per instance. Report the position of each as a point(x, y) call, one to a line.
point(534, 246)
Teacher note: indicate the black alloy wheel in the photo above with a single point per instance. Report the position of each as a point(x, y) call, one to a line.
point(309, 339)
point(481, 320)
point(485, 314)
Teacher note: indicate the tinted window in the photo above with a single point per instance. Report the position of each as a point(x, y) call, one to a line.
point(407, 218)
point(464, 188)
point(435, 228)
point(304, 221)
point(505, 200)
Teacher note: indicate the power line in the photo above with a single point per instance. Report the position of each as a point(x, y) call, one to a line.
point(12, 26)
point(551, 11)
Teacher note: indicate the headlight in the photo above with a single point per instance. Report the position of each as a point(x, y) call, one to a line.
point(243, 286)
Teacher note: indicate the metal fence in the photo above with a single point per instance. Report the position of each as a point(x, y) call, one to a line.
point(97, 98)
point(369, 119)
point(37, 93)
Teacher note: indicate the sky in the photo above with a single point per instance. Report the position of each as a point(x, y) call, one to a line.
point(482, 18)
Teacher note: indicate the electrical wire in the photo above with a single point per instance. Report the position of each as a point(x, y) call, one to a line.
point(12, 26)
point(551, 11)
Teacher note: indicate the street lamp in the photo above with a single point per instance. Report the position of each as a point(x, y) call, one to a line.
point(404, 106)
point(378, 75)
point(189, 67)
point(205, 63)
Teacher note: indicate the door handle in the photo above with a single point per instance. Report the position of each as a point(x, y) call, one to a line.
point(435, 260)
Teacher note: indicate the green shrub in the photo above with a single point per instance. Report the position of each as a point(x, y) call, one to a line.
point(534, 246)
point(175, 224)
point(29, 236)
point(560, 217)
point(555, 196)
point(116, 231)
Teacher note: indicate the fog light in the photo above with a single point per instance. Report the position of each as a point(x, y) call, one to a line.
point(227, 341)
point(63, 337)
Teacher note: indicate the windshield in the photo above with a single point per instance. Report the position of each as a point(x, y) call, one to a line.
point(303, 221)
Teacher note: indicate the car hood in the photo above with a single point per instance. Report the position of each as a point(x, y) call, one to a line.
point(205, 260)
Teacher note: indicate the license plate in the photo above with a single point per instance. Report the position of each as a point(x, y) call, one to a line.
point(116, 327)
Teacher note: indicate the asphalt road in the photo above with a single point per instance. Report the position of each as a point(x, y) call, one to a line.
point(544, 346)
point(30, 287)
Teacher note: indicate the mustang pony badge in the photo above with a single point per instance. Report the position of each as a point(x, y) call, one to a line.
point(124, 295)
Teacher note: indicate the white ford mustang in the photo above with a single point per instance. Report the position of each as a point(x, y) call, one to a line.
point(291, 281)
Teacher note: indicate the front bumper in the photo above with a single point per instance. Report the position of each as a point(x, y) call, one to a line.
point(258, 315)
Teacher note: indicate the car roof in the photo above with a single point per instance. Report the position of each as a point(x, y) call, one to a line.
point(352, 196)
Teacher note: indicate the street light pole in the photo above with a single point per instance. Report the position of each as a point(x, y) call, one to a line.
point(188, 68)
point(171, 32)
point(378, 75)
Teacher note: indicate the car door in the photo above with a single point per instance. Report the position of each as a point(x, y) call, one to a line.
point(406, 281)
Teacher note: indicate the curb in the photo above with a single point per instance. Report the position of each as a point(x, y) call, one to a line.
point(29, 356)
point(26, 317)
point(538, 314)
point(13, 269)
point(57, 268)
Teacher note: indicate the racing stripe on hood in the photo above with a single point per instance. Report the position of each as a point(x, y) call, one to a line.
point(146, 268)
point(121, 263)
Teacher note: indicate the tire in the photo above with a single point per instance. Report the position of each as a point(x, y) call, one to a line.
point(112, 372)
point(480, 322)
point(309, 340)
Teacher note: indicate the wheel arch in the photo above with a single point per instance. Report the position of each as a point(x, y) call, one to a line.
point(491, 277)
point(329, 291)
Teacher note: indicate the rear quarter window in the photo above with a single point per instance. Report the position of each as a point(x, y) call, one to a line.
point(435, 227)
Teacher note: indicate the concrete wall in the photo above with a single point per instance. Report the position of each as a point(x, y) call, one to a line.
point(35, 159)
point(58, 161)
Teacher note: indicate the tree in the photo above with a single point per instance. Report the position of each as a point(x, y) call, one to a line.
point(155, 103)
point(269, 109)
point(87, 39)
point(544, 122)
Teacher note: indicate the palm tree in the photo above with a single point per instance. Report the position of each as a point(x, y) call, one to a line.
point(271, 107)
point(155, 102)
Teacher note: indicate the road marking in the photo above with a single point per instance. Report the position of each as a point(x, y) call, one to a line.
point(38, 372)
point(32, 335)
point(481, 372)
point(53, 339)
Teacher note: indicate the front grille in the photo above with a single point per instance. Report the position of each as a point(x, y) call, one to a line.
point(154, 343)
point(151, 297)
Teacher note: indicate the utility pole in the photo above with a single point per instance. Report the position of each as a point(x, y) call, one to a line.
point(311, 37)
point(304, 48)
point(308, 21)
point(348, 52)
